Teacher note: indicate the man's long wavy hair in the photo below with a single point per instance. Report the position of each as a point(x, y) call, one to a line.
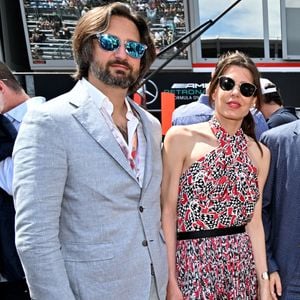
point(98, 20)
point(239, 59)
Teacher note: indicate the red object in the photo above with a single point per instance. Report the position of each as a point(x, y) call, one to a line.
point(167, 108)
point(137, 98)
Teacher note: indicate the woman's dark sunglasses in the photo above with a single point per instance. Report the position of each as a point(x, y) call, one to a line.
point(111, 42)
point(227, 84)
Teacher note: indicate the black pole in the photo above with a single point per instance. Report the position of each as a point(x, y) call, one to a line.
point(204, 27)
point(182, 38)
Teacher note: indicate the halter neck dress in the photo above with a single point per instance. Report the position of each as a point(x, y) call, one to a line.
point(219, 190)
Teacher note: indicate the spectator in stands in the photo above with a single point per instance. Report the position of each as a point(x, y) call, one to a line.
point(37, 52)
point(57, 24)
point(56, 33)
point(158, 39)
point(281, 210)
point(34, 36)
point(38, 36)
point(170, 37)
point(50, 4)
point(272, 105)
point(14, 103)
point(88, 172)
point(177, 20)
point(151, 11)
point(83, 3)
point(72, 4)
point(64, 3)
point(84, 10)
point(163, 21)
point(65, 32)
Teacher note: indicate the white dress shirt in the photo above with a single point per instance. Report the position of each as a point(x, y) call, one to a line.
point(133, 126)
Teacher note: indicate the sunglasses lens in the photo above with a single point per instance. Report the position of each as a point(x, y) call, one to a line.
point(226, 83)
point(247, 89)
point(135, 49)
point(109, 42)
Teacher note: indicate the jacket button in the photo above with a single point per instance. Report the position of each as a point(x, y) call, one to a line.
point(145, 243)
point(141, 208)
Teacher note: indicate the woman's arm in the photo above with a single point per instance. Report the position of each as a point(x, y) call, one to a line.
point(173, 159)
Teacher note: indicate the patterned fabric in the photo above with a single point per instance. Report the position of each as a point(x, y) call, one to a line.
point(130, 147)
point(219, 190)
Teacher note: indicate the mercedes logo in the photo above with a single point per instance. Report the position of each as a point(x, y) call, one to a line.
point(149, 91)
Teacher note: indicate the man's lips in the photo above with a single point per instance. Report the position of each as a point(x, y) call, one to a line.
point(120, 66)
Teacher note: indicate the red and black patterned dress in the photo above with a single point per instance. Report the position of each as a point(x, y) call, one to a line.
point(217, 191)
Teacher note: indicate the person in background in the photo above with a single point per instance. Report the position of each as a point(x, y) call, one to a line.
point(151, 11)
point(260, 122)
point(194, 112)
point(281, 210)
point(214, 174)
point(87, 173)
point(14, 103)
point(201, 111)
point(272, 105)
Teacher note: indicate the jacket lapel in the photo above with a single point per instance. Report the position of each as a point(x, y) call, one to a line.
point(297, 127)
point(91, 119)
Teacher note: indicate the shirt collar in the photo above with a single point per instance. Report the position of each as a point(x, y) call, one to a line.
point(103, 101)
point(18, 112)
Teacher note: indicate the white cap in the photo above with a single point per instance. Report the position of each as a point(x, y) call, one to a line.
point(267, 86)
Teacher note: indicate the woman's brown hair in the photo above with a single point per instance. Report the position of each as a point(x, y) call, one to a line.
point(239, 59)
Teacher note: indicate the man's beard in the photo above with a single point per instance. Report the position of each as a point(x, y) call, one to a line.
point(103, 74)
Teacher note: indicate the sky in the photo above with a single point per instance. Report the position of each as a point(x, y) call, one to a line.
point(243, 20)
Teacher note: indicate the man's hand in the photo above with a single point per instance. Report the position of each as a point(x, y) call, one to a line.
point(275, 285)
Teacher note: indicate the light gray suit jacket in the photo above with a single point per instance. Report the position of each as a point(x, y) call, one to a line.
point(84, 227)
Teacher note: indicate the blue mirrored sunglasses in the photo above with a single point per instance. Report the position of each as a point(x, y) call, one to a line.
point(111, 42)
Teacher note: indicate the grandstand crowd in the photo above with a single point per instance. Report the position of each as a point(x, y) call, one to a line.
point(51, 23)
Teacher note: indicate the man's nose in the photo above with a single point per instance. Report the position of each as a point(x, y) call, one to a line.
point(121, 52)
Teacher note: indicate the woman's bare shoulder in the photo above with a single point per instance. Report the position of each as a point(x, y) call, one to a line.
point(253, 147)
point(260, 157)
point(187, 132)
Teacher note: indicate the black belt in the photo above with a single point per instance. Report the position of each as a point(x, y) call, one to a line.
point(209, 233)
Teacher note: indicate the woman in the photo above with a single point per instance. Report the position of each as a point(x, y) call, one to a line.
point(214, 174)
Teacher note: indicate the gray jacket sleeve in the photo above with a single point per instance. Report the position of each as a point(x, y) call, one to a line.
point(40, 170)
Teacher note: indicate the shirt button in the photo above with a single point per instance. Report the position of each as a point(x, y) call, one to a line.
point(145, 243)
point(141, 208)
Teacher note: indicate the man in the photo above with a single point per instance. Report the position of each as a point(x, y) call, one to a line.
point(88, 172)
point(201, 111)
point(281, 209)
point(195, 112)
point(14, 102)
point(272, 105)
